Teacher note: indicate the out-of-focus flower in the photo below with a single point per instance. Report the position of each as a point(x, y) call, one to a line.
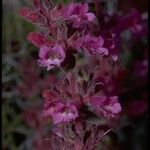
point(141, 68)
point(131, 21)
point(30, 74)
point(51, 56)
point(32, 83)
point(33, 117)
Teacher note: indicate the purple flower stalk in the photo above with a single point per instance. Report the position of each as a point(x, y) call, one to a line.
point(75, 100)
point(51, 57)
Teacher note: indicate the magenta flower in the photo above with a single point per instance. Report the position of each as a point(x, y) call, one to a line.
point(60, 112)
point(51, 56)
point(131, 21)
point(91, 44)
point(107, 106)
point(66, 113)
point(110, 43)
point(77, 14)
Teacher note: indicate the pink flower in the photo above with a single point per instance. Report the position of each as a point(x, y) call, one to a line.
point(107, 106)
point(78, 14)
point(92, 45)
point(69, 114)
point(60, 112)
point(51, 56)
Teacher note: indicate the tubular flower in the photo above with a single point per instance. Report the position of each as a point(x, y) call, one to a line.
point(92, 45)
point(61, 112)
point(107, 106)
point(77, 14)
point(51, 56)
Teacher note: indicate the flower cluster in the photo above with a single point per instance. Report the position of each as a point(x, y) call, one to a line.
point(76, 98)
point(62, 34)
point(65, 102)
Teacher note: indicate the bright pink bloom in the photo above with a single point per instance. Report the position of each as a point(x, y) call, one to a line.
point(78, 14)
point(51, 56)
point(108, 106)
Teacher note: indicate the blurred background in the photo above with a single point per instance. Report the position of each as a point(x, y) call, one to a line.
point(23, 80)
